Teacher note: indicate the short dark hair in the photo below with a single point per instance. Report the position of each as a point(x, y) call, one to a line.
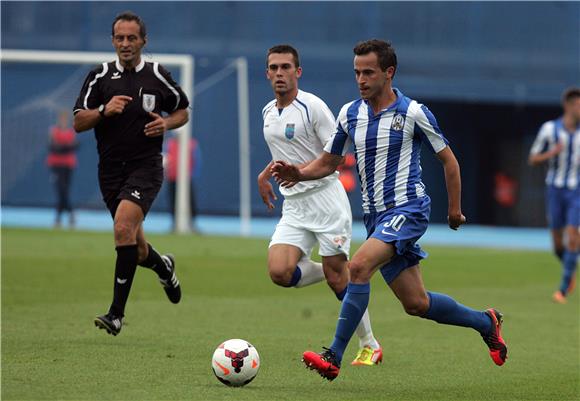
point(284, 49)
point(570, 94)
point(384, 51)
point(130, 16)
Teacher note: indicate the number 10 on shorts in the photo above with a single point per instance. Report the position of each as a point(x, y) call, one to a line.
point(396, 222)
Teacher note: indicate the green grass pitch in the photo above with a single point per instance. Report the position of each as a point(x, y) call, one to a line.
point(55, 282)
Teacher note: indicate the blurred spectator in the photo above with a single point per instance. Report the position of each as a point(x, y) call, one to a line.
point(62, 160)
point(171, 166)
point(347, 174)
point(505, 194)
point(505, 190)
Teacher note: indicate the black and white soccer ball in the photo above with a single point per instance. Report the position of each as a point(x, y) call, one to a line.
point(235, 362)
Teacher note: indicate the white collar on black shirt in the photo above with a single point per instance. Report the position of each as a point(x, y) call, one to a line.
point(139, 67)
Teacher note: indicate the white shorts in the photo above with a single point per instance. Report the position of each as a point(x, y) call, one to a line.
point(322, 215)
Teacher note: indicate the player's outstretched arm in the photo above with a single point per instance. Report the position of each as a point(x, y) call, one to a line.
point(288, 175)
point(453, 183)
point(265, 187)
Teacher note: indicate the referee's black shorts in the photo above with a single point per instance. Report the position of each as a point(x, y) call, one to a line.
point(138, 181)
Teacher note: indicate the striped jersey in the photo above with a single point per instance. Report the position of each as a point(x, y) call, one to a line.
point(297, 134)
point(387, 148)
point(563, 169)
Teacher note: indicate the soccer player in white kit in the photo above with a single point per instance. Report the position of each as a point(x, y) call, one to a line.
point(297, 125)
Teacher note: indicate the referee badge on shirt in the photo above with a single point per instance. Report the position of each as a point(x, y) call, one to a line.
point(148, 102)
point(398, 122)
point(289, 131)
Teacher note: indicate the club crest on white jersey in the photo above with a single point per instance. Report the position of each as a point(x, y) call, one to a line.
point(289, 131)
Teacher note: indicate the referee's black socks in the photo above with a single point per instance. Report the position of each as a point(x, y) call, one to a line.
point(154, 262)
point(124, 273)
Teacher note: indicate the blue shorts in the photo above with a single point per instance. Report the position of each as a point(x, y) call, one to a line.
point(562, 207)
point(401, 226)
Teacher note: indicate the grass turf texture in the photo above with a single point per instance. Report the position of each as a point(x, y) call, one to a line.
point(55, 282)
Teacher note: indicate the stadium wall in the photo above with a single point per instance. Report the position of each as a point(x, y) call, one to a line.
point(491, 73)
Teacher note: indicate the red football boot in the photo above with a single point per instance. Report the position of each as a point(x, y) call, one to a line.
point(496, 344)
point(324, 363)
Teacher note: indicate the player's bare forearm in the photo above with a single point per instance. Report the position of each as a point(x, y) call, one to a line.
point(85, 120)
point(301, 166)
point(287, 175)
point(265, 187)
point(453, 184)
point(176, 119)
point(88, 119)
point(265, 174)
point(160, 125)
point(540, 158)
point(323, 166)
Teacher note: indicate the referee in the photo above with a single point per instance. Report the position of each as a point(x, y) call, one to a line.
point(123, 101)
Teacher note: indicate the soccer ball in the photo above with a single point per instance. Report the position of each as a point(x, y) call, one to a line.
point(235, 362)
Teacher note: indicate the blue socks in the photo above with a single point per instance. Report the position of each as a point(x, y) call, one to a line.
point(442, 309)
point(569, 267)
point(445, 310)
point(353, 308)
point(340, 295)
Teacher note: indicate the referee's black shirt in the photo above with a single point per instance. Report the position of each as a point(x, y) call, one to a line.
point(121, 137)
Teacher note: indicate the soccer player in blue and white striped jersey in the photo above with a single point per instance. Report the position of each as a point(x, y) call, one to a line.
point(558, 143)
point(387, 129)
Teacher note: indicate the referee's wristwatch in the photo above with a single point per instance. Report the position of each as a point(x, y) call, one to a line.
point(102, 110)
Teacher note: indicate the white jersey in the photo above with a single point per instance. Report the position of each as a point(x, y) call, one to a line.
point(563, 169)
point(297, 134)
point(387, 147)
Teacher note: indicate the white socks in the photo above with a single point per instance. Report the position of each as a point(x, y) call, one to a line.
point(311, 272)
point(365, 332)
